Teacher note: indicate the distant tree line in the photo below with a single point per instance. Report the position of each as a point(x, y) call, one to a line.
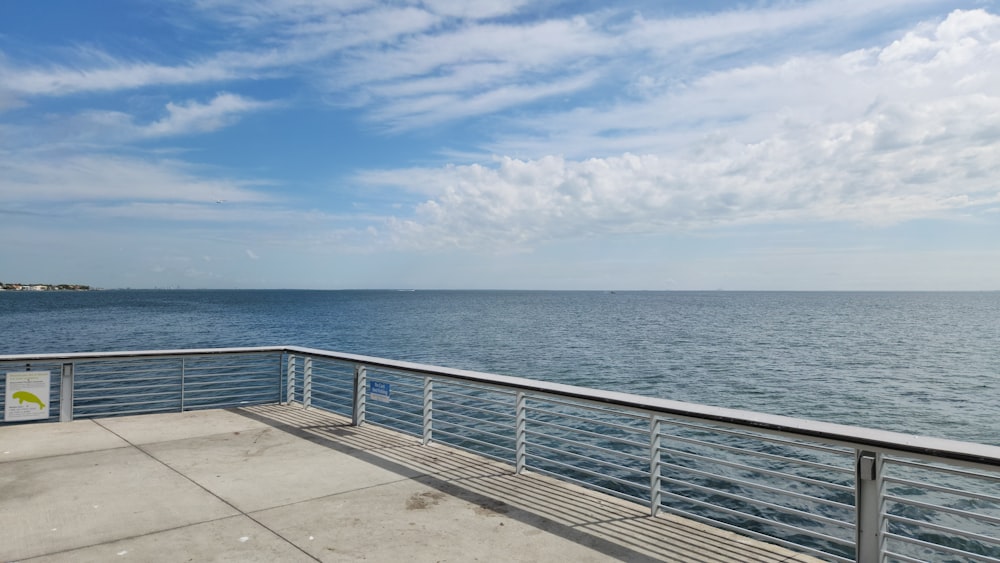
point(43, 287)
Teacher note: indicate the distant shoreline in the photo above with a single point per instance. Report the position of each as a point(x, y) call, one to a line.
point(80, 287)
point(43, 287)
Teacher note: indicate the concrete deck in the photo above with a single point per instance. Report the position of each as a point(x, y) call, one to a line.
point(280, 483)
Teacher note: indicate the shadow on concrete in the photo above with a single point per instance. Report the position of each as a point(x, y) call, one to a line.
point(611, 526)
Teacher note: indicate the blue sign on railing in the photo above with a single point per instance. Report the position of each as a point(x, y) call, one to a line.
point(379, 391)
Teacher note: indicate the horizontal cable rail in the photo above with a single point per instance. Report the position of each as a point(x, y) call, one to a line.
point(837, 492)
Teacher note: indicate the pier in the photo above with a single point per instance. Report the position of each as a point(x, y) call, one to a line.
point(281, 483)
point(290, 453)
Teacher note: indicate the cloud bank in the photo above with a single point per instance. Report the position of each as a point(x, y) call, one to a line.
point(876, 136)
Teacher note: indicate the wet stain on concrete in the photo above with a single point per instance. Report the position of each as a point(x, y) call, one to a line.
point(422, 501)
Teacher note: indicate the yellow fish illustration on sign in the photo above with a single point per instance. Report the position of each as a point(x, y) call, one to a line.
point(23, 396)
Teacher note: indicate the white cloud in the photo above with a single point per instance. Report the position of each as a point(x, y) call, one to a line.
point(273, 215)
point(308, 41)
point(108, 75)
point(264, 13)
point(475, 9)
point(252, 255)
point(51, 176)
point(522, 203)
point(479, 60)
point(750, 103)
point(877, 136)
point(527, 47)
point(373, 27)
point(765, 26)
point(194, 117)
point(395, 60)
point(183, 118)
point(428, 110)
point(476, 70)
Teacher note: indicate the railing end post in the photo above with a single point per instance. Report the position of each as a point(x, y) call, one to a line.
point(66, 386)
point(868, 503)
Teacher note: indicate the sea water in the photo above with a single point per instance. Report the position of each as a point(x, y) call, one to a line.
point(922, 363)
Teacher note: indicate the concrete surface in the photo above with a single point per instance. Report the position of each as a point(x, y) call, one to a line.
point(281, 483)
point(26, 441)
point(62, 502)
point(237, 539)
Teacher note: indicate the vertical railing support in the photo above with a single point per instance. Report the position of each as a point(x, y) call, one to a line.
point(428, 410)
point(307, 383)
point(868, 503)
point(290, 390)
point(281, 375)
point(521, 432)
point(655, 494)
point(183, 368)
point(66, 393)
point(360, 392)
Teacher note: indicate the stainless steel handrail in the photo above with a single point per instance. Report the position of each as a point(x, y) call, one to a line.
point(934, 448)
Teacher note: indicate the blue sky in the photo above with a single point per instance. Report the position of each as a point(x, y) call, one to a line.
point(827, 144)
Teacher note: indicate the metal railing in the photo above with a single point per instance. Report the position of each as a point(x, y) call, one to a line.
point(836, 492)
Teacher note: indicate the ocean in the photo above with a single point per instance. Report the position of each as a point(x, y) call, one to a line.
point(921, 363)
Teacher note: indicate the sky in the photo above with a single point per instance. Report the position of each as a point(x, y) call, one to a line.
point(501, 144)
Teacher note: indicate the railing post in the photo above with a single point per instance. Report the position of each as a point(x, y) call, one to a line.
point(655, 494)
point(868, 503)
point(66, 393)
point(307, 383)
point(183, 366)
point(281, 373)
point(290, 391)
point(428, 410)
point(360, 392)
point(521, 432)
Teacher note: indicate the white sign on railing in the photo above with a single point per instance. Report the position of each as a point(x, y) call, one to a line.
point(27, 396)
